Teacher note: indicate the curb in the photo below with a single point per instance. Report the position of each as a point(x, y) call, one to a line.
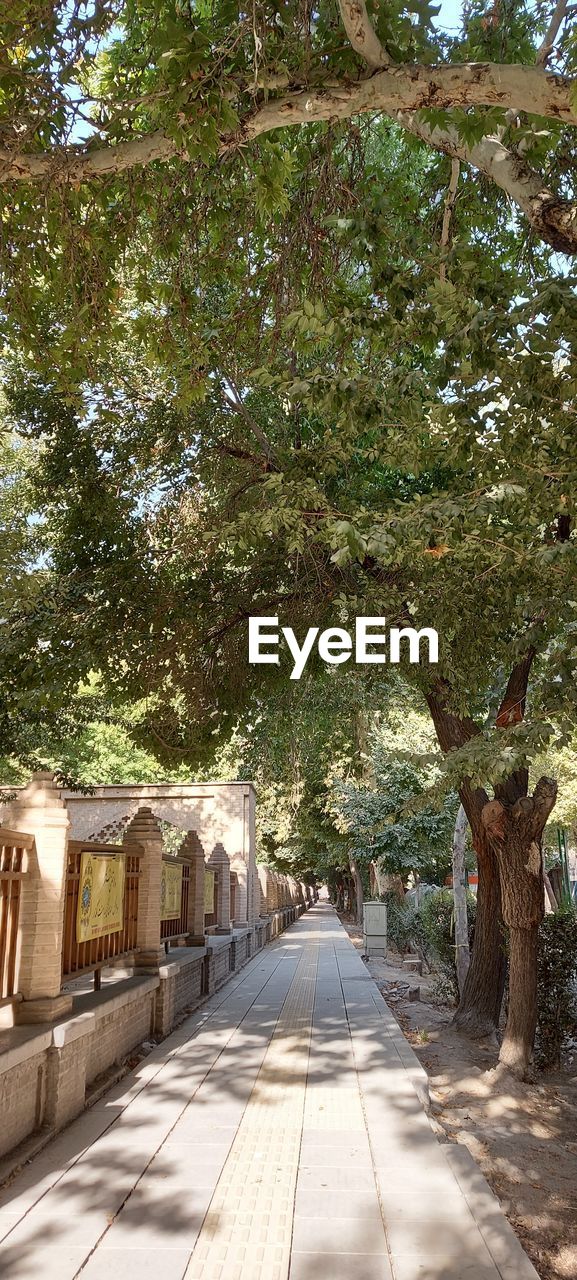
point(505, 1248)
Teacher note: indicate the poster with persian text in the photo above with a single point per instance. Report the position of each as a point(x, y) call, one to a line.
point(100, 896)
point(170, 891)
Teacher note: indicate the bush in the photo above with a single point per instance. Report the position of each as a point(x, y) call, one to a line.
point(434, 933)
point(400, 922)
point(556, 984)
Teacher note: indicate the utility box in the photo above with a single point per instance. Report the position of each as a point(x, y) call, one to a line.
point(375, 928)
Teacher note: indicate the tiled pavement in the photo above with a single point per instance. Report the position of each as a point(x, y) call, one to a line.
point(276, 1134)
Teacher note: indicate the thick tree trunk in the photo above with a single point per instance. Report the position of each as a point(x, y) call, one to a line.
point(514, 831)
point(480, 1004)
point(517, 1045)
point(462, 958)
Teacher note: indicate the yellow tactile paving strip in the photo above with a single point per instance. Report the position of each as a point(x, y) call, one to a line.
point(246, 1234)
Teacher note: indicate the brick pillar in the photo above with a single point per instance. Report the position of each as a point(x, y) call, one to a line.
point(263, 883)
point(253, 886)
point(192, 849)
point(219, 862)
point(145, 831)
point(242, 872)
point(41, 812)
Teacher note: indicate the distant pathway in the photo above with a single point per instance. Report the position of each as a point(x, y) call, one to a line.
point(278, 1132)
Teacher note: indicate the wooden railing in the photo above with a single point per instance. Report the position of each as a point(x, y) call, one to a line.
point(13, 848)
point(84, 957)
point(177, 926)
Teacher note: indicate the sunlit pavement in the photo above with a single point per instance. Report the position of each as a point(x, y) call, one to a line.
point(278, 1132)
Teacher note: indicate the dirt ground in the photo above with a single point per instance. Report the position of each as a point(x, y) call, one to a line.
point(523, 1136)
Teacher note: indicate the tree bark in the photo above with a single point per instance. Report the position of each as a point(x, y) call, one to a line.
point(517, 1045)
point(514, 831)
point(462, 957)
point(384, 882)
point(359, 894)
point(480, 1005)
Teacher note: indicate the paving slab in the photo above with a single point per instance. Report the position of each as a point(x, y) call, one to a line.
point(278, 1134)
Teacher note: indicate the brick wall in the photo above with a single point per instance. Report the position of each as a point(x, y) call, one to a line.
point(117, 1031)
point(180, 988)
point(44, 1081)
point(22, 1097)
point(220, 967)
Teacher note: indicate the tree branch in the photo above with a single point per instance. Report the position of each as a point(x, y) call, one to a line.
point(399, 91)
point(243, 454)
point(512, 708)
point(544, 797)
point(362, 35)
point(402, 87)
point(234, 400)
point(447, 215)
point(552, 218)
point(452, 730)
point(557, 19)
point(512, 711)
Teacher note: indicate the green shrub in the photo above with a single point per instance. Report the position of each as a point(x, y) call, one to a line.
point(400, 922)
point(557, 975)
point(434, 933)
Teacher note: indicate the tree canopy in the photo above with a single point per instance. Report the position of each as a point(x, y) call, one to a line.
point(289, 319)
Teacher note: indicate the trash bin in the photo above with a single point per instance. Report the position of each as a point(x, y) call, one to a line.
point(375, 928)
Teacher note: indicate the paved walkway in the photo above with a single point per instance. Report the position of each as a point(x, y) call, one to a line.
point(278, 1132)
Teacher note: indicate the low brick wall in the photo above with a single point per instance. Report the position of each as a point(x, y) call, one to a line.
point(47, 1071)
point(23, 1093)
point(219, 966)
point(181, 988)
point(119, 1027)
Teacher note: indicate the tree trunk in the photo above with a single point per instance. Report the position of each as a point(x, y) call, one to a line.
point(462, 958)
point(515, 831)
point(383, 882)
point(553, 903)
point(359, 895)
point(480, 1004)
point(517, 1045)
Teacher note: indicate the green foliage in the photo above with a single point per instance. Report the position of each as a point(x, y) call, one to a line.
point(389, 821)
point(239, 383)
point(434, 931)
point(400, 922)
point(557, 984)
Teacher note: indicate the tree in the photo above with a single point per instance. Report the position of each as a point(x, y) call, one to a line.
point(289, 546)
point(462, 952)
point(96, 96)
point(390, 822)
point(369, 407)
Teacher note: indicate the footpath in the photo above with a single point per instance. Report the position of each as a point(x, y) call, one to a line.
point(279, 1133)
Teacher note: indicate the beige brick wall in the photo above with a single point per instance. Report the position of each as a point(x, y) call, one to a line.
point(117, 1032)
point(22, 1094)
point(181, 989)
point(220, 967)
